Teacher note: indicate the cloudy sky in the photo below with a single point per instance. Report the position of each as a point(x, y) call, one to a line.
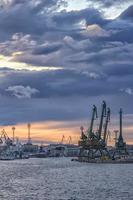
point(57, 58)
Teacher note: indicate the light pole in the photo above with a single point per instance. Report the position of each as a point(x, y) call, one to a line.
point(29, 138)
point(13, 133)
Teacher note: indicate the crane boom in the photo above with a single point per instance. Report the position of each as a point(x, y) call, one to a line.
point(94, 116)
point(102, 116)
point(106, 124)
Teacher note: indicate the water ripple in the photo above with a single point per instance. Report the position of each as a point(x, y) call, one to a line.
point(61, 179)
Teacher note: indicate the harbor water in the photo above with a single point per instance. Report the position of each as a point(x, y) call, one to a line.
point(62, 179)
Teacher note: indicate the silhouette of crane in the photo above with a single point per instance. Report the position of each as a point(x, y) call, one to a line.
point(62, 140)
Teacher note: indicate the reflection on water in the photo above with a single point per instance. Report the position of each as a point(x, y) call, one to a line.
point(61, 179)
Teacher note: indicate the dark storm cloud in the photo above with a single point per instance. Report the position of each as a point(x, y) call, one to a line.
point(122, 27)
point(25, 110)
point(121, 70)
point(28, 17)
point(115, 53)
point(95, 55)
point(46, 49)
point(91, 16)
point(65, 83)
point(61, 83)
point(103, 44)
point(18, 42)
point(127, 14)
point(38, 20)
point(93, 45)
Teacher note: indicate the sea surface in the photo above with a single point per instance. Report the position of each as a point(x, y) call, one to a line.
point(62, 179)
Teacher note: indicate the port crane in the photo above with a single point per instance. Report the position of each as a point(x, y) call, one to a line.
point(94, 145)
point(95, 138)
point(86, 137)
point(5, 139)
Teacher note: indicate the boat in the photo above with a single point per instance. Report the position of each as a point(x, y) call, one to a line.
point(7, 157)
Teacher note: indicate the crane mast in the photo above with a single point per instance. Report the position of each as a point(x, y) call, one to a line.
point(120, 144)
point(102, 116)
point(106, 124)
point(120, 123)
point(120, 138)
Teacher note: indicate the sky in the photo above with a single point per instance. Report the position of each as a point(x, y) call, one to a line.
point(57, 59)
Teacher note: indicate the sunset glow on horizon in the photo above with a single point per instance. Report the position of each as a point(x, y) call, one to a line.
point(45, 132)
point(53, 131)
